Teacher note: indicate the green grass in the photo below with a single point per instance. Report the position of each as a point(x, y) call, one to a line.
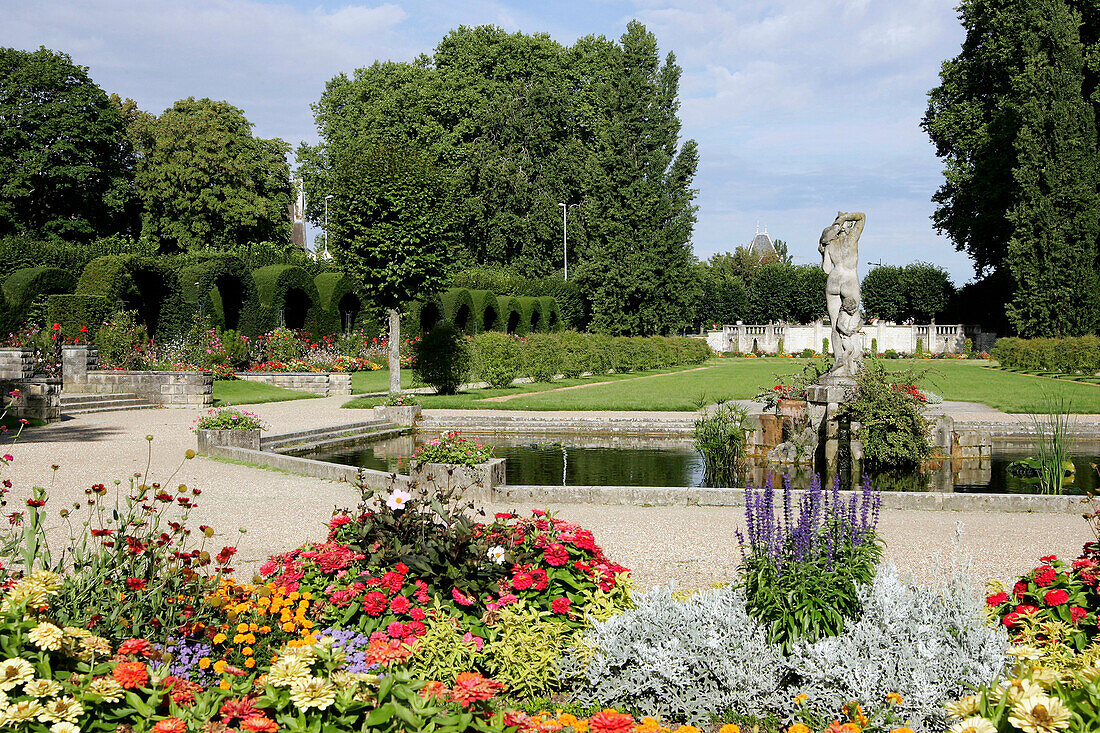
point(379, 381)
point(966, 381)
point(240, 392)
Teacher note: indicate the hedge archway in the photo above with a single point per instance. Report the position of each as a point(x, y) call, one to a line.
point(288, 297)
point(458, 308)
point(223, 290)
point(530, 315)
point(25, 293)
point(509, 315)
point(341, 305)
point(486, 310)
point(144, 285)
point(551, 316)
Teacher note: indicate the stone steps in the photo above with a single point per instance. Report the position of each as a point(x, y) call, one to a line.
point(87, 404)
point(324, 437)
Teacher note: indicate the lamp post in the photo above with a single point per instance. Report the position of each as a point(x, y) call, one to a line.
point(565, 237)
point(326, 221)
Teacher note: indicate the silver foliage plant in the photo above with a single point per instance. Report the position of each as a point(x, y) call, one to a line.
point(684, 659)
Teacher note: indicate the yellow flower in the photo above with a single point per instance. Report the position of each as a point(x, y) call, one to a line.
point(94, 646)
point(798, 728)
point(47, 636)
point(902, 729)
point(64, 727)
point(20, 712)
point(288, 670)
point(893, 698)
point(220, 665)
point(14, 672)
point(224, 685)
point(687, 729)
point(41, 688)
point(61, 710)
point(976, 724)
point(964, 708)
point(1039, 714)
point(730, 728)
point(219, 638)
point(312, 692)
point(204, 663)
point(107, 688)
point(800, 698)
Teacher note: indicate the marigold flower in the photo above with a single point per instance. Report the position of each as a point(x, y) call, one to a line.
point(893, 698)
point(798, 728)
point(730, 728)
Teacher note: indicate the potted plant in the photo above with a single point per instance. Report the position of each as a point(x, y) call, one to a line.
point(400, 409)
point(228, 428)
point(453, 463)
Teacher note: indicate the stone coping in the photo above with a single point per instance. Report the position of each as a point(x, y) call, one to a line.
point(128, 372)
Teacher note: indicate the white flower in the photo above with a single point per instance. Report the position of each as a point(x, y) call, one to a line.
point(976, 724)
point(64, 727)
point(496, 554)
point(398, 499)
point(47, 636)
point(15, 672)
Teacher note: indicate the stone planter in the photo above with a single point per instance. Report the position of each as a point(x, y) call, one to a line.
point(208, 439)
point(791, 409)
point(472, 482)
point(398, 415)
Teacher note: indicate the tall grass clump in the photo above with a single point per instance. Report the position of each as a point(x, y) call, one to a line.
point(1053, 443)
point(721, 437)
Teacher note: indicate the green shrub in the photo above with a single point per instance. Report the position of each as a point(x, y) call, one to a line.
point(78, 315)
point(542, 357)
point(824, 346)
point(288, 297)
point(893, 429)
point(721, 437)
point(497, 357)
point(920, 346)
point(486, 311)
point(120, 340)
point(442, 359)
point(145, 285)
point(229, 419)
point(807, 353)
point(1078, 355)
point(528, 649)
point(220, 287)
point(458, 309)
point(441, 653)
point(279, 344)
point(26, 290)
point(453, 448)
point(890, 354)
point(874, 346)
point(576, 353)
point(530, 315)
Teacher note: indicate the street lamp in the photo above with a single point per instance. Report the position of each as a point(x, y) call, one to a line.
point(565, 237)
point(326, 222)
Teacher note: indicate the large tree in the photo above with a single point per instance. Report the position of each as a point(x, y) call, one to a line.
point(64, 155)
point(392, 227)
point(883, 293)
point(205, 181)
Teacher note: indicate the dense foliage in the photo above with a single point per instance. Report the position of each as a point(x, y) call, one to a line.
point(721, 438)
point(889, 410)
point(1079, 355)
point(442, 359)
point(920, 292)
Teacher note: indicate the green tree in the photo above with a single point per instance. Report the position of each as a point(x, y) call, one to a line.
point(883, 293)
point(773, 293)
point(636, 266)
point(205, 181)
point(392, 227)
point(808, 296)
point(928, 290)
point(781, 252)
point(64, 157)
point(1056, 220)
point(722, 298)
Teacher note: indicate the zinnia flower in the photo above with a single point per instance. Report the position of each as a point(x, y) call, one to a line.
point(131, 674)
point(496, 554)
point(41, 688)
point(1055, 597)
point(107, 688)
point(996, 599)
point(560, 605)
point(1039, 714)
point(312, 692)
point(470, 687)
point(965, 707)
point(610, 721)
point(287, 670)
point(170, 725)
point(47, 636)
point(15, 671)
point(1044, 575)
point(61, 710)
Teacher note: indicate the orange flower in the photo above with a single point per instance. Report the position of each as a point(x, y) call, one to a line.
point(610, 721)
point(798, 728)
point(170, 725)
point(903, 729)
point(730, 728)
point(131, 674)
point(470, 687)
point(382, 652)
point(433, 690)
point(260, 724)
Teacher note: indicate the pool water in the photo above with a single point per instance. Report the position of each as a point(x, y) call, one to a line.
point(586, 460)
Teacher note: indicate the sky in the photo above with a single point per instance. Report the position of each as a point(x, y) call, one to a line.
point(801, 108)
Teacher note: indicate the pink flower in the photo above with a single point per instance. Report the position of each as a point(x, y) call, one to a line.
point(475, 640)
point(561, 605)
point(1055, 597)
point(556, 555)
point(460, 598)
point(396, 629)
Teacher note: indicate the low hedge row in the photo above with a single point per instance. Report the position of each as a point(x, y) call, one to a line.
point(499, 358)
point(478, 311)
point(1078, 355)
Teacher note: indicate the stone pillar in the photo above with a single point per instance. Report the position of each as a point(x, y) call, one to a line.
point(76, 361)
point(38, 398)
point(16, 362)
point(824, 402)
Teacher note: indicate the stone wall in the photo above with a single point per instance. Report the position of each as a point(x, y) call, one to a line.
point(326, 384)
point(16, 362)
point(934, 338)
point(37, 398)
point(168, 389)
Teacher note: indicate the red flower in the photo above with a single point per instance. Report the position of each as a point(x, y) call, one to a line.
point(36, 503)
point(434, 689)
point(415, 628)
point(461, 598)
point(610, 721)
point(1048, 558)
point(540, 578)
point(1076, 613)
point(1019, 589)
point(560, 605)
point(374, 603)
point(556, 555)
point(417, 614)
point(396, 629)
point(470, 687)
point(996, 599)
point(1044, 575)
point(131, 674)
point(1055, 597)
point(522, 580)
point(136, 584)
point(1026, 608)
point(400, 604)
point(239, 707)
point(1011, 619)
point(137, 647)
point(170, 725)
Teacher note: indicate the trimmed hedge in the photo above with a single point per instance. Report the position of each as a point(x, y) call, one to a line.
point(27, 286)
point(530, 310)
point(76, 312)
point(1078, 355)
point(511, 315)
point(458, 309)
point(551, 316)
point(333, 288)
point(422, 316)
point(223, 289)
point(146, 285)
point(273, 284)
point(486, 313)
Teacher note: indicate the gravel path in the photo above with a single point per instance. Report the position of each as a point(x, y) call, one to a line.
point(694, 546)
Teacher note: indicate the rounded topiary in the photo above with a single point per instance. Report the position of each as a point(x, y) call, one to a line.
point(458, 309)
point(442, 358)
point(223, 290)
point(542, 357)
point(25, 292)
point(486, 313)
point(423, 315)
point(342, 308)
point(145, 285)
point(551, 316)
point(288, 297)
point(498, 358)
point(530, 319)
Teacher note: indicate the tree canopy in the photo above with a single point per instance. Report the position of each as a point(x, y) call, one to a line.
point(920, 292)
point(64, 155)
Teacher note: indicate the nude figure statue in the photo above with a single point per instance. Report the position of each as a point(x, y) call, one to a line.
point(839, 248)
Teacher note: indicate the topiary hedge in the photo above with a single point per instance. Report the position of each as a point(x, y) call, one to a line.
point(26, 290)
point(551, 316)
point(458, 308)
point(1077, 355)
point(342, 307)
point(78, 315)
point(223, 289)
point(530, 320)
point(145, 285)
point(422, 316)
point(288, 297)
point(510, 319)
point(486, 313)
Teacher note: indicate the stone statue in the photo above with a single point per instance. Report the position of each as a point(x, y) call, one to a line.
point(839, 248)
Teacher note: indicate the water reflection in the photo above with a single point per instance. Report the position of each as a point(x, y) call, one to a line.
point(603, 460)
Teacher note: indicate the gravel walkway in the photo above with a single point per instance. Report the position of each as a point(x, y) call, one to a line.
point(695, 546)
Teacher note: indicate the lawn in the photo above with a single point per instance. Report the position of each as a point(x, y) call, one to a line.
point(240, 392)
point(379, 381)
point(681, 389)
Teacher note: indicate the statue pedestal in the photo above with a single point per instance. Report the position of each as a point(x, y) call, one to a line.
point(837, 453)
